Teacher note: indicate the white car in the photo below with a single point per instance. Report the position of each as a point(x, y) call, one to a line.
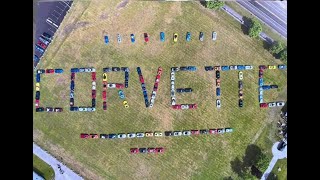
point(240, 75)
point(173, 101)
point(83, 109)
point(93, 87)
point(93, 70)
point(139, 135)
point(186, 133)
point(228, 130)
point(221, 131)
point(172, 82)
point(158, 134)
point(177, 133)
point(122, 136)
point(90, 109)
point(184, 106)
point(172, 87)
point(131, 135)
point(280, 103)
point(111, 85)
point(93, 83)
point(87, 69)
point(271, 104)
point(233, 67)
point(172, 76)
point(218, 103)
point(214, 35)
point(119, 38)
point(153, 95)
point(246, 67)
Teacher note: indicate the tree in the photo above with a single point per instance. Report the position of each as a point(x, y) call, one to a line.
point(248, 176)
point(263, 162)
point(276, 47)
point(255, 28)
point(283, 55)
point(215, 4)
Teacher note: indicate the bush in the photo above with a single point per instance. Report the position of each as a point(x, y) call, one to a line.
point(283, 55)
point(276, 47)
point(255, 28)
point(263, 162)
point(215, 4)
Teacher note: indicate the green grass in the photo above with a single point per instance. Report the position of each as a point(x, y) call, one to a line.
point(200, 157)
point(266, 29)
point(281, 175)
point(42, 168)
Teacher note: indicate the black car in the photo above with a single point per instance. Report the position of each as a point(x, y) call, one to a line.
point(146, 102)
point(93, 102)
point(183, 68)
point(107, 69)
point(218, 74)
point(39, 109)
point(112, 136)
point(49, 109)
point(71, 102)
point(37, 95)
point(72, 85)
point(125, 69)
point(104, 136)
point(240, 84)
point(115, 69)
point(47, 36)
point(58, 109)
point(181, 90)
point(208, 68)
point(201, 36)
point(168, 133)
point(126, 76)
point(74, 108)
point(240, 103)
point(273, 86)
point(143, 150)
point(204, 131)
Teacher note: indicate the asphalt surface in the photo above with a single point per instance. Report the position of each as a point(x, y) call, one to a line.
point(57, 166)
point(49, 17)
point(272, 13)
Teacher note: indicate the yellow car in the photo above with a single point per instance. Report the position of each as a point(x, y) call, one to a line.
point(149, 134)
point(175, 37)
point(157, 133)
point(104, 77)
point(125, 103)
point(37, 86)
point(272, 67)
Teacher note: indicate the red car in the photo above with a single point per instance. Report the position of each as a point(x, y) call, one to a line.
point(263, 67)
point(159, 150)
point(141, 79)
point(42, 45)
point(155, 87)
point(104, 105)
point(104, 95)
point(158, 77)
point(119, 86)
point(105, 85)
point(94, 136)
point(195, 132)
point(260, 73)
point(159, 71)
point(213, 131)
point(193, 106)
point(134, 150)
point(177, 106)
point(93, 76)
point(73, 76)
point(146, 37)
point(84, 136)
point(37, 103)
point(93, 94)
point(263, 105)
point(218, 82)
point(50, 71)
point(151, 150)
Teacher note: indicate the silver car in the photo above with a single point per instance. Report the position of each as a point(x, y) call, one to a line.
point(177, 133)
point(214, 35)
point(201, 36)
point(131, 135)
point(228, 130)
point(119, 38)
point(280, 103)
point(122, 136)
point(140, 134)
point(186, 133)
point(272, 104)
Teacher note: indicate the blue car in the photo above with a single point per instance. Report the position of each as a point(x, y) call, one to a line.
point(225, 68)
point(36, 58)
point(266, 87)
point(192, 68)
point(139, 70)
point(121, 94)
point(260, 98)
point(188, 37)
point(126, 76)
point(132, 38)
point(38, 48)
point(38, 77)
point(106, 39)
point(260, 81)
point(58, 71)
point(74, 70)
point(218, 92)
point(112, 136)
point(282, 66)
point(146, 102)
point(162, 36)
point(72, 85)
point(107, 69)
point(74, 108)
point(240, 67)
point(82, 69)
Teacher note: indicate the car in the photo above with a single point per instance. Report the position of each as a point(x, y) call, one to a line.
point(201, 36)
point(140, 134)
point(47, 36)
point(183, 68)
point(40, 49)
point(168, 133)
point(57, 109)
point(240, 67)
point(91, 109)
point(122, 136)
point(218, 93)
point(280, 103)
point(158, 134)
point(58, 71)
point(162, 36)
point(225, 68)
point(260, 91)
point(82, 69)
point(125, 104)
point(41, 44)
point(143, 150)
point(49, 71)
point(125, 69)
point(233, 67)
point(132, 38)
point(272, 104)
point(116, 69)
point(103, 136)
point(104, 95)
point(74, 108)
point(151, 150)
point(37, 101)
point(159, 150)
point(149, 134)
point(84, 109)
point(188, 36)
point(41, 71)
point(106, 39)
point(186, 133)
point(112, 136)
point(49, 109)
point(193, 106)
point(218, 81)
point(37, 95)
point(273, 86)
point(119, 86)
point(181, 90)
point(214, 35)
point(84, 136)
point(217, 68)
point(240, 94)
point(177, 133)
point(121, 94)
point(175, 37)
point(213, 131)
point(104, 77)
point(134, 150)
point(119, 38)
point(272, 67)
point(191, 68)
point(240, 103)
point(173, 103)
point(208, 68)
point(104, 105)
point(260, 98)
point(93, 76)
point(111, 85)
point(218, 103)
point(266, 87)
point(263, 105)
point(204, 131)
point(240, 85)
point(72, 85)
point(282, 66)
point(240, 74)
point(260, 73)
point(248, 67)
point(74, 70)
point(146, 37)
point(73, 76)
point(218, 74)
point(228, 130)
point(175, 69)
point(263, 67)
point(107, 69)
point(176, 106)
point(42, 39)
point(37, 86)
point(260, 81)
point(195, 132)
point(184, 106)
point(221, 131)
point(39, 109)
point(131, 135)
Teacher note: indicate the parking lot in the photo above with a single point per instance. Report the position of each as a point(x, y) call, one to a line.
point(49, 17)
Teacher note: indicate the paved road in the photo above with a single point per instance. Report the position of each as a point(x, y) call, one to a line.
point(273, 14)
point(68, 174)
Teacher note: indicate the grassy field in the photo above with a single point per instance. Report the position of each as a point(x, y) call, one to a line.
point(282, 163)
point(42, 168)
point(79, 43)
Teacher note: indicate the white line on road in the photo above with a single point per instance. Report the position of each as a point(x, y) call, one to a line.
point(59, 8)
point(57, 12)
point(285, 22)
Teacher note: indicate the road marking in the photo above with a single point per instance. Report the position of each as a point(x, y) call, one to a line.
point(59, 8)
point(57, 12)
point(271, 12)
point(54, 16)
point(66, 4)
